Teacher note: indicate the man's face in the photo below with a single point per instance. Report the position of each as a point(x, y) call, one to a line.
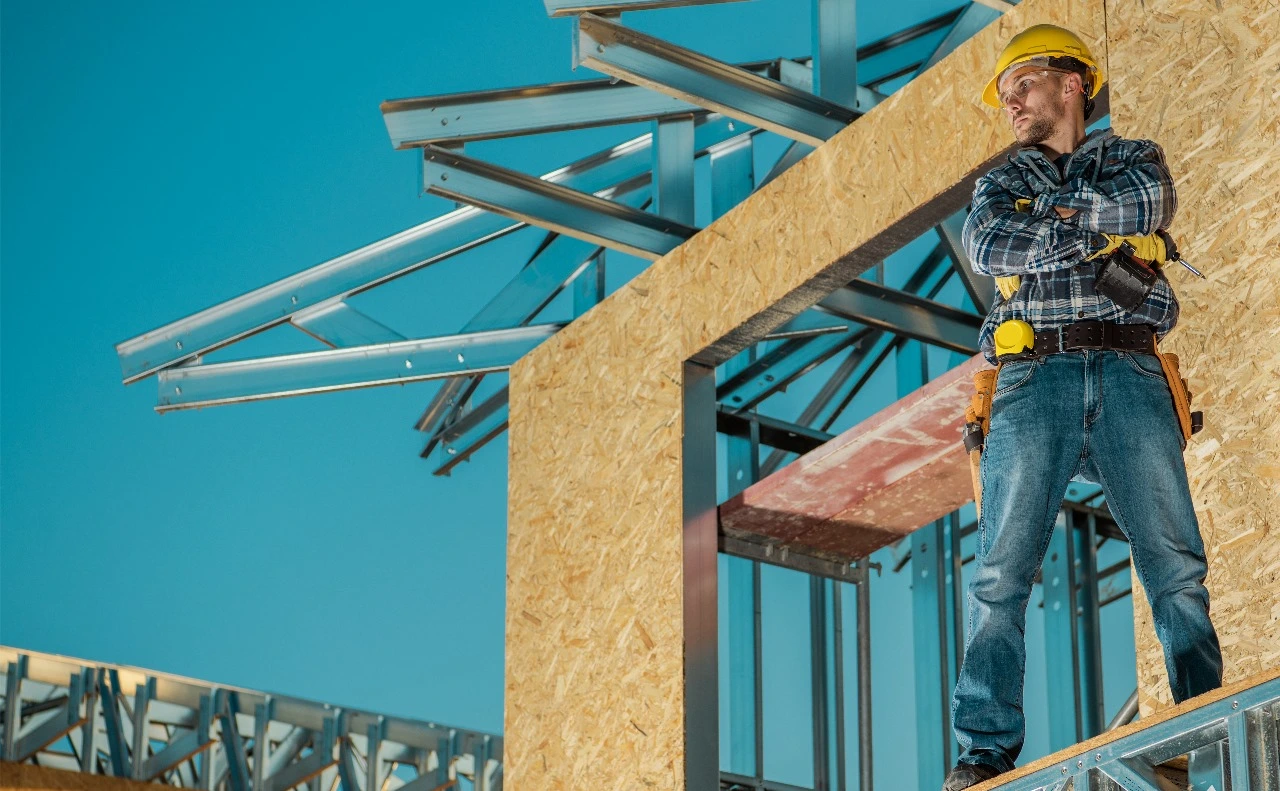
point(1035, 101)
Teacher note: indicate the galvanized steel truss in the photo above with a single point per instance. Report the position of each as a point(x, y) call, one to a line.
point(95, 718)
point(636, 197)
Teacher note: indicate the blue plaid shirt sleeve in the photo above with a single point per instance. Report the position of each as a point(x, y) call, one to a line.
point(1138, 200)
point(1002, 241)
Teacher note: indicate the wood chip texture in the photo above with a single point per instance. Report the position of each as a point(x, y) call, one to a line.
point(1202, 79)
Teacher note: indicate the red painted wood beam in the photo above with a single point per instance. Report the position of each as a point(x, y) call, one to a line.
point(899, 469)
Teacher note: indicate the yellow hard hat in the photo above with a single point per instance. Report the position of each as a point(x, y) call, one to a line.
point(1046, 45)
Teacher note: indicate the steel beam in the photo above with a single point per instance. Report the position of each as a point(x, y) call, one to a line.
point(673, 169)
point(62, 721)
point(700, 570)
point(980, 288)
point(460, 440)
point(535, 201)
point(384, 260)
point(689, 76)
point(1060, 636)
point(339, 325)
point(970, 21)
point(534, 109)
point(344, 369)
point(557, 262)
point(789, 437)
point(835, 42)
point(185, 746)
point(570, 7)
point(905, 314)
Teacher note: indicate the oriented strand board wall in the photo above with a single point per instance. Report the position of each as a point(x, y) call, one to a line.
point(594, 695)
point(1203, 80)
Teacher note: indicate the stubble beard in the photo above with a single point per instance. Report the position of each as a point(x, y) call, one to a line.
point(1037, 131)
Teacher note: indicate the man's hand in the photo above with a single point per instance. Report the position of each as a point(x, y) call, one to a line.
point(1065, 214)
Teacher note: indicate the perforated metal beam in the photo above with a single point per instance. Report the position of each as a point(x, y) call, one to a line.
point(345, 369)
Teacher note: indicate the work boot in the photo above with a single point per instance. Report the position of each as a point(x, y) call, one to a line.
point(966, 775)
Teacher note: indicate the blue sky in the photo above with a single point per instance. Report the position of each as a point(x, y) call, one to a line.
point(159, 158)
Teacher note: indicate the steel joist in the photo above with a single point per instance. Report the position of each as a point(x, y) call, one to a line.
point(75, 715)
point(401, 362)
point(689, 76)
point(535, 201)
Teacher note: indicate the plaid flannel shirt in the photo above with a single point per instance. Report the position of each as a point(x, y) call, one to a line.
point(1116, 186)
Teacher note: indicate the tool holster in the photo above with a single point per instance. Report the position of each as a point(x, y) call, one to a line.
point(1190, 422)
point(977, 421)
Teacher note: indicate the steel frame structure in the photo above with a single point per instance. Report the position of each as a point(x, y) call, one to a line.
point(637, 197)
point(126, 722)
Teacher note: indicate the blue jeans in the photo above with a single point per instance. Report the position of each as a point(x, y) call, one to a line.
point(1106, 416)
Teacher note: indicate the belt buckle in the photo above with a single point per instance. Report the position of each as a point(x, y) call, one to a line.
point(1062, 341)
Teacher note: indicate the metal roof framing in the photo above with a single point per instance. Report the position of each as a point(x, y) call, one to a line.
point(635, 197)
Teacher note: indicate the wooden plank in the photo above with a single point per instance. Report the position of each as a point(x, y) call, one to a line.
point(877, 482)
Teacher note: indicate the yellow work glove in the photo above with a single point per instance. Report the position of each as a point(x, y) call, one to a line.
point(1009, 284)
point(1148, 248)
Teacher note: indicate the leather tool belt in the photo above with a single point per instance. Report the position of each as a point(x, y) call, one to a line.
point(1090, 335)
point(1139, 338)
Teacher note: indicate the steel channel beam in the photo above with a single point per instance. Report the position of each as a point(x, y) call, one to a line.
point(559, 261)
point(60, 722)
point(1060, 635)
point(865, 732)
point(904, 314)
point(460, 118)
point(339, 325)
point(433, 241)
point(740, 717)
point(14, 676)
point(673, 170)
point(776, 370)
point(538, 202)
point(344, 369)
point(929, 622)
point(787, 558)
point(369, 266)
point(1088, 627)
point(689, 76)
point(570, 7)
point(1125, 759)
point(818, 682)
point(835, 40)
point(980, 288)
point(790, 437)
point(970, 21)
point(185, 746)
point(700, 564)
point(460, 440)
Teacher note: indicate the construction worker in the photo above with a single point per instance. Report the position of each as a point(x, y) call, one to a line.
point(1083, 396)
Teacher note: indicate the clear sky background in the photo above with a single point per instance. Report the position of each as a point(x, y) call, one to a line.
point(159, 158)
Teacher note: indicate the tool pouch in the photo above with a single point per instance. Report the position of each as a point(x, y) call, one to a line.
point(977, 419)
point(1190, 422)
point(1124, 282)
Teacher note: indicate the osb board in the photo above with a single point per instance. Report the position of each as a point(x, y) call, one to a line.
point(1203, 80)
point(30, 777)
point(594, 689)
point(1074, 752)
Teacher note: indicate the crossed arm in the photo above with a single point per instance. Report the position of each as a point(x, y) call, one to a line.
point(1058, 230)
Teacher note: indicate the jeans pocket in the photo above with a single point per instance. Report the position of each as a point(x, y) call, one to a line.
point(1014, 375)
point(1147, 365)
